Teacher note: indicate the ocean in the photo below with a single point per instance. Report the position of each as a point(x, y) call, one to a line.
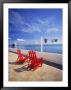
point(54, 48)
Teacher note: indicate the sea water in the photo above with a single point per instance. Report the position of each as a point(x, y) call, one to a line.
point(53, 48)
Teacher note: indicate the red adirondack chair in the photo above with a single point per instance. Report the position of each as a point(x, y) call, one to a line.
point(35, 62)
point(21, 58)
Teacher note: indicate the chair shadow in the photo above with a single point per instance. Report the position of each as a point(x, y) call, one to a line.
point(21, 69)
point(15, 63)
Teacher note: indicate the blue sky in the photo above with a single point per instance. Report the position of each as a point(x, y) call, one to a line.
point(30, 25)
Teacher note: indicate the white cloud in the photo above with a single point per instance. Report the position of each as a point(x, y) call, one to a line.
point(17, 20)
point(31, 28)
point(38, 25)
point(20, 23)
point(20, 39)
point(42, 22)
point(52, 30)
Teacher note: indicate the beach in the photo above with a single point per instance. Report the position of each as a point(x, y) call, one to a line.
point(44, 73)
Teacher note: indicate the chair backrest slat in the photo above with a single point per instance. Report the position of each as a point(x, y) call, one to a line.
point(19, 54)
point(32, 56)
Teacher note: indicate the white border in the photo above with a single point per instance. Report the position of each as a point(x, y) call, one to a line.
point(63, 83)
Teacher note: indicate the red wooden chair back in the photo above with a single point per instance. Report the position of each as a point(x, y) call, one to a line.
point(32, 57)
point(21, 57)
point(19, 54)
point(30, 54)
point(35, 62)
point(19, 51)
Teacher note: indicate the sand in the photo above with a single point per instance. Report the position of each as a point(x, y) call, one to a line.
point(44, 73)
